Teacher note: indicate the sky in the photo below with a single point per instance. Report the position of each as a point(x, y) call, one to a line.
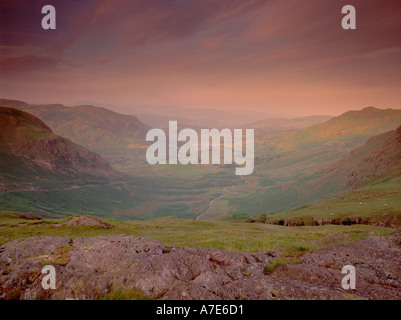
point(286, 57)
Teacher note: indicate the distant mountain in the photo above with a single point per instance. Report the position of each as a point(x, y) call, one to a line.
point(158, 115)
point(350, 129)
point(32, 157)
point(284, 124)
point(119, 138)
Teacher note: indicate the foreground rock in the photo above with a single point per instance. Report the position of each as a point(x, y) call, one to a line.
point(92, 267)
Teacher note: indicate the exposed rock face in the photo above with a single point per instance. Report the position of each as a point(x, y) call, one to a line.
point(91, 267)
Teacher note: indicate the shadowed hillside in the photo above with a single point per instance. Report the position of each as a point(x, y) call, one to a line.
point(118, 138)
point(52, 176)
point(32, 157)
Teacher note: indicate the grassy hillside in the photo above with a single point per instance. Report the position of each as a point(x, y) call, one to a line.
point(51, 176)
point(380, 156)
point(32, 157)
point(289, 165)
point(118, 138)
point(352, 129)
point(377, 202)
point(378, 159)
point(372, 176)
point(225, 235)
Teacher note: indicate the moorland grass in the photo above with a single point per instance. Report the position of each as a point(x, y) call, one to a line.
point(224, 235)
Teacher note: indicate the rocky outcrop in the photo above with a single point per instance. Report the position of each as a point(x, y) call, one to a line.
point(86, 221)
point(87, 268)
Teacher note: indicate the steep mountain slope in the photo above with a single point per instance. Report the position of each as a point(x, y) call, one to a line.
point(32, 157)
point(368, 181)
point(119, 138)
point(288, 156)
point(289, 165)
point(379, 157)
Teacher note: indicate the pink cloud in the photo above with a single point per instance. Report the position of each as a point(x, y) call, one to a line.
point(47, 60)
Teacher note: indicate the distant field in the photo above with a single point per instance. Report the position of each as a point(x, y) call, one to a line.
point(140, 198)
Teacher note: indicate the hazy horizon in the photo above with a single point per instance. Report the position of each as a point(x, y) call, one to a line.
point(133, 109)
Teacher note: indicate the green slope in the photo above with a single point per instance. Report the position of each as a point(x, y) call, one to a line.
point(224, 235)
point(377, 202)
point(290, 165)
point(120, 139)
point(49, 175)
point(379, 157)
point(32, 157)
point(371, 177)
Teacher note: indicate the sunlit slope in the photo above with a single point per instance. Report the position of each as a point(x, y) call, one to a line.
point(379, 157)
point(292, 167)
point(350, 129)
point(283, 124)
point(373, 171)
point(335, 137)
